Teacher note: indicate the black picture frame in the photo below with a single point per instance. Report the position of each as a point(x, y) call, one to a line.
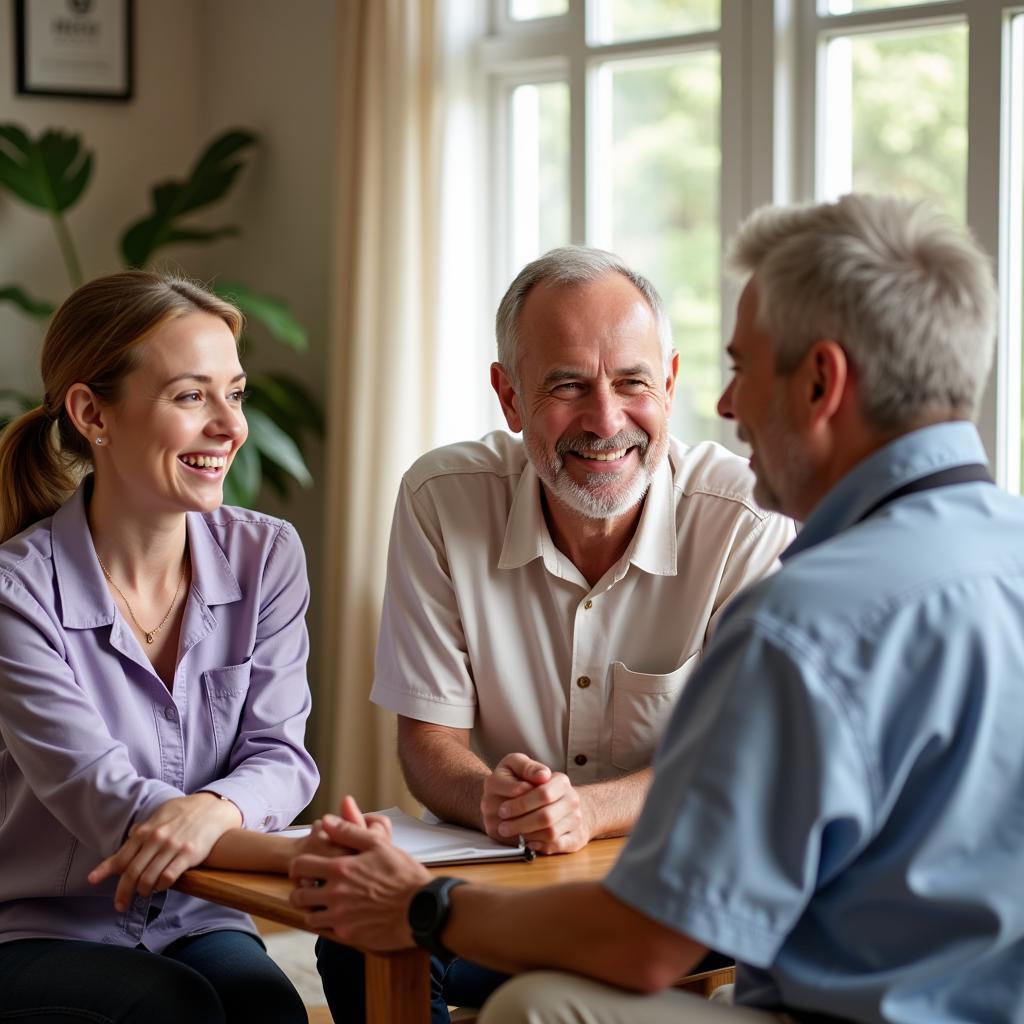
point(76, 49)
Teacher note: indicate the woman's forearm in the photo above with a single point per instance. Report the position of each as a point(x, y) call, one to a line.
point(245, 850)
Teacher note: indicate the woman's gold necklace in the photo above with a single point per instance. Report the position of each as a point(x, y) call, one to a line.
point(148, 633)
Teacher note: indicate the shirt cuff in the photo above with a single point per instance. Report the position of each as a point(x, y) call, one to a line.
point(256, 816)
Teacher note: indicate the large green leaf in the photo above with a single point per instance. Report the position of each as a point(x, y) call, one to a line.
point(20, 399)
point(274, 314)
point(38, 308)
point(242, 483)
point(287, 401)
point(274, 444)
point(275, 478)
point(200, 234)
point(233, 493)
point(50, 172)
point(209, 181)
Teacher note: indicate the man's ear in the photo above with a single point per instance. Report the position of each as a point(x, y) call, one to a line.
point(85, 412)
point(507, 396)
point(824, 378)
point(670, 378)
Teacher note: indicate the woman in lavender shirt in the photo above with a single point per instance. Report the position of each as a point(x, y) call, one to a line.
point(153, 692)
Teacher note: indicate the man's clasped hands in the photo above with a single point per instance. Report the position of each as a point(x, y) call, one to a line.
point(350, 862)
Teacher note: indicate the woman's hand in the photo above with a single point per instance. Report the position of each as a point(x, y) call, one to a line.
point(178, 836)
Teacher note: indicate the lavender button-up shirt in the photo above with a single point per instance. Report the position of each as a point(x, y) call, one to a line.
point(92, 741)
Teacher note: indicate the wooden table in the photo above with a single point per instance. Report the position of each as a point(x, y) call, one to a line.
point(398, 984)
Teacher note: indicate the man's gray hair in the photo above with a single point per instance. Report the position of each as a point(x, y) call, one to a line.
point(570, 264)
point(907, 292)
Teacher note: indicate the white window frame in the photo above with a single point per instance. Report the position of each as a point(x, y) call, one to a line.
point(561, 47)
point(770, 140)
point(987, 206)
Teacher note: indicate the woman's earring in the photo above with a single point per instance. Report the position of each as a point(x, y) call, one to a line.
point(100, 440)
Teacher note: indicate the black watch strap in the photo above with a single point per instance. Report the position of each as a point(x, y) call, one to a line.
point(428, 914)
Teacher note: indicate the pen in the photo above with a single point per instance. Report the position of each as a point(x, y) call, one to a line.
point(528, 854)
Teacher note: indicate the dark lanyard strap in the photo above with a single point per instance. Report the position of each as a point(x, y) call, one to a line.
point(974, 472)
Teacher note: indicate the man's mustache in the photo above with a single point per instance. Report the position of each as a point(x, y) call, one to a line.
point(588, 442)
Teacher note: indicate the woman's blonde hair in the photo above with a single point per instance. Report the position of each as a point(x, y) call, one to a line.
point(92, 339)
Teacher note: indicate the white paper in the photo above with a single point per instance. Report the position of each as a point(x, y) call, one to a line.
point(440, 843)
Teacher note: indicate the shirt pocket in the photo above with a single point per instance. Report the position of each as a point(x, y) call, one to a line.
point(641, 705)
point(226, 693)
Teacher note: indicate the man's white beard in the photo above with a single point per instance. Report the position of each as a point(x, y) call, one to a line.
point(600, 497)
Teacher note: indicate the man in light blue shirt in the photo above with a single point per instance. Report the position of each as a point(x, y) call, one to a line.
point(838, 802)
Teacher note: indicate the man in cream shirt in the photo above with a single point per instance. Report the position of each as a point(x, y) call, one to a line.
point(548, 597)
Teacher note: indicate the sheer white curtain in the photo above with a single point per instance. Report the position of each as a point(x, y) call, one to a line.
point(405, 303)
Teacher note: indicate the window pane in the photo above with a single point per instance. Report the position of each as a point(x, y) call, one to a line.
point(539, 149)
point(527, 10)
point(849, 6)
point(663, 192)
point(1014, 299)
point(642, 19)
point(895, 115)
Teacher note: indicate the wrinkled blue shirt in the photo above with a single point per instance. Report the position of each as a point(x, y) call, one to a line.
point(92, 741)
point(839, 797)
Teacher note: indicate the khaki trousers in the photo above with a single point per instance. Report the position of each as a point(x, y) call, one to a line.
point(550, 997)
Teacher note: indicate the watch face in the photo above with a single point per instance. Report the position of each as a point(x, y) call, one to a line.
point(423, 910)
point(428, 911)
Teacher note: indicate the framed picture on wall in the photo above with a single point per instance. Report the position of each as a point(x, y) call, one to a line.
point(79, 48)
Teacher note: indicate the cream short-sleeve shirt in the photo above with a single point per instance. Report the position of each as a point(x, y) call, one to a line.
point(488, 626)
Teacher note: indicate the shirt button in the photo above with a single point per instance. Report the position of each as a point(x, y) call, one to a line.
point(588, 605)
point(580, 759)
point(583, 682)
point(171, 714)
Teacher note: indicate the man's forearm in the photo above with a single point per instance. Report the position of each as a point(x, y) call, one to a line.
point(612, 807)
point(578, 927)
point(444, 775)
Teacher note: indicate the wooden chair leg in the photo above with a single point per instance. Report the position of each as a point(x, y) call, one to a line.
point(704, 983)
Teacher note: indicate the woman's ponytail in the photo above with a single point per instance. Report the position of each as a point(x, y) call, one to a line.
point(35, 478)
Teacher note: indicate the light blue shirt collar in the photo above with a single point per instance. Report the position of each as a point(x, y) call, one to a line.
point(908, 458)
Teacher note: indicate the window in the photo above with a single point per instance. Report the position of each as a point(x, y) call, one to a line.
point(913, 98)
point(1012, 262)
point(528, 10)
point(607, 122)
point(849, 6)
point(893, 115)
point(539, 195)
point(653, 127)
point(618, 20)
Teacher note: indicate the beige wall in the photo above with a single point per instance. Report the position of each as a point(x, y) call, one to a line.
point(270, 66)
point(201, 66)
point(134, 145)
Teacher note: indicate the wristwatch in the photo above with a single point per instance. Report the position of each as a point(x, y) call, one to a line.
point(428, 914)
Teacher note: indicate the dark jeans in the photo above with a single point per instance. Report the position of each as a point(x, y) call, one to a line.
point(222, 977)
point(342, 969)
